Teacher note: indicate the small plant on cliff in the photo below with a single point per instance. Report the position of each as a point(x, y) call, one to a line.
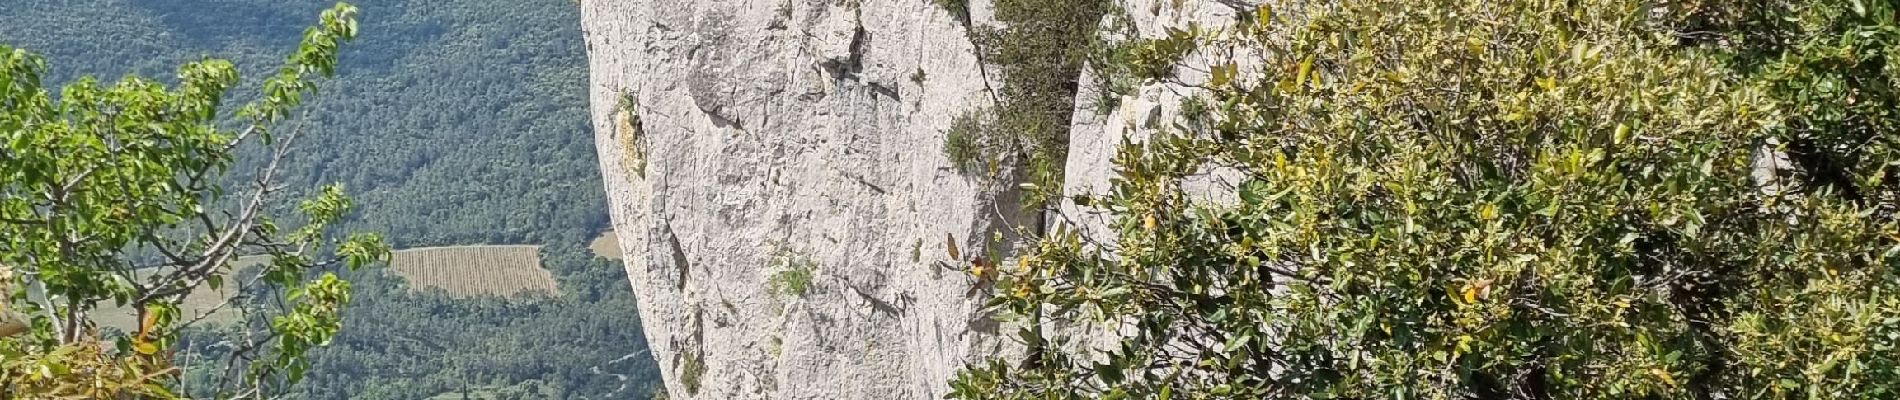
point(971, 144)
point(792, 273)
point(628, 130)
point(692, 370)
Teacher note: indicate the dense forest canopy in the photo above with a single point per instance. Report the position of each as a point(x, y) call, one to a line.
point(450, 123)
point(463, 121)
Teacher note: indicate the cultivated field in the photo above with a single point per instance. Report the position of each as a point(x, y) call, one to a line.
point(469, 271)
point(607, 246)
point(199, 301)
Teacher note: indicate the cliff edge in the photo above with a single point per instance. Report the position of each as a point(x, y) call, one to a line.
point(777, 179)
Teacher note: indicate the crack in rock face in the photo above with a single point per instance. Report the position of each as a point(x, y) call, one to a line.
point(851, 62)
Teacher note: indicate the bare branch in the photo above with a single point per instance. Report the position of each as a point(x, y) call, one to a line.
point(223, 249)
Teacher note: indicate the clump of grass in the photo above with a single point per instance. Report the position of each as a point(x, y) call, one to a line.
point(792, 273)
point(692, 369)
point(968, 143)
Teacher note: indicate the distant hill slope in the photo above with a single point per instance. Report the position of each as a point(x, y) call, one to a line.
point(460, 121)
point(451, 122)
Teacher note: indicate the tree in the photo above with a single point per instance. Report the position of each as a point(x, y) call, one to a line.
point(1498, 199)
point(116, 195)
point(423, 124)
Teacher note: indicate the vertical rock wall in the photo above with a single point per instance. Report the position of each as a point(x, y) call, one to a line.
point(742, 138)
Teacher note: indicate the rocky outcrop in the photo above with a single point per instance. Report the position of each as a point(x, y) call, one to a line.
point(744, 142)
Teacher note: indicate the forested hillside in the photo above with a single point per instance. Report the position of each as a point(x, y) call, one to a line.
point(450, 122)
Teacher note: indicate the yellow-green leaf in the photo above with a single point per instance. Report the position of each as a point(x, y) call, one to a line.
point(1306, 69)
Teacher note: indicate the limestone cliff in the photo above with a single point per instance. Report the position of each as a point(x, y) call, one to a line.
point(741, 139)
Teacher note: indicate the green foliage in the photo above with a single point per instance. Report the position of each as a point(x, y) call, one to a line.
point(692, 369)
point(1151, 59)
point(1505, 199)
point(476, 110)
point(627, 103)
point(454, 122)
point(477, 120)
point(957, 8)
point(106, 182)
point(792, 273)
point(972, 144)
point(407, 344)
point(1038, 52)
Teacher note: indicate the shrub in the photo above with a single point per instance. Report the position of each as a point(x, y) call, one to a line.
point(1038, 52)
point(1152, 59)
point(1500, 199)
point(969, 143)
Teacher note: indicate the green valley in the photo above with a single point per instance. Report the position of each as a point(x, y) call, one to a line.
point(450, 123)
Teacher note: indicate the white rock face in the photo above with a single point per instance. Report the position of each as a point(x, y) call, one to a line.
point(766, 133)
point(793, 130)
